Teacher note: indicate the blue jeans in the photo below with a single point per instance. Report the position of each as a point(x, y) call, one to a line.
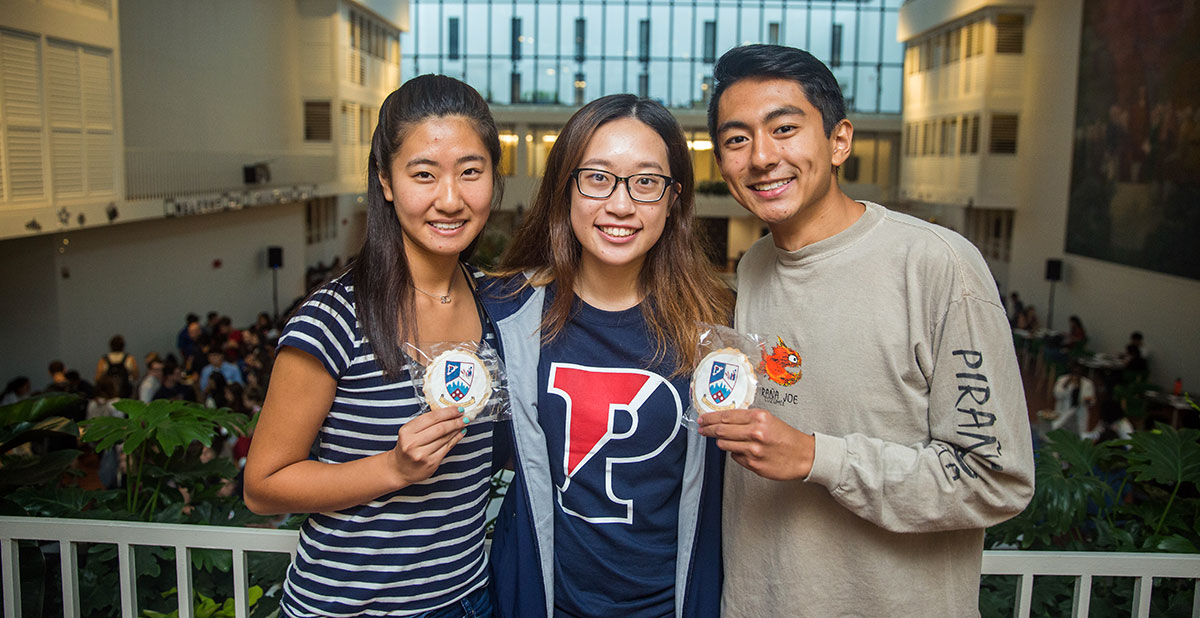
point(478, 604)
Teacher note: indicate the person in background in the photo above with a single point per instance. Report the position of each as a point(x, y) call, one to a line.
point(17, 389)
point(1074, 396)
point(1015, 308)
point(1076, 337)
point(1028, 319)
point(172, 383)
point(216, 394)
point(1136, 368)
point(1113, 425)
point(58, 377)
point(217, 363)
point(263, 325)
point(210, 323)
point(153, 380)
point(76, 384)
point(188, 339)
point(892, 427)
point(101, 406)
point(119, 365)
point(1136, 340)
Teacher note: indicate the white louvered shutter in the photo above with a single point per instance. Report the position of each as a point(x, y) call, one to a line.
point(101, 145)
point(64, 107)
point(22, 102)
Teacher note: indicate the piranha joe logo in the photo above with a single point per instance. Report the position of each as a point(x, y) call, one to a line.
point(779, 363)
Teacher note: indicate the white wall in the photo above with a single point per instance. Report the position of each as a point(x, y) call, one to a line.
point(29, 311)
point(140, 280)
point(211, 76)
point(1111, 299)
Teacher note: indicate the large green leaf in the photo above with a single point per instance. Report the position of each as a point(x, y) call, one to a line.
point(39, 406)
point(24, 431)
point(1065, 475)
point(1166, 455)
point(1082, 456)
point(99, 581)
point(133, 408)
point(191, 474)
point(170, 425)
point(212, 559)
point(1114, 537)
point(105, 431)
point(36, 469)
point(68, 502)
point(1170, 544)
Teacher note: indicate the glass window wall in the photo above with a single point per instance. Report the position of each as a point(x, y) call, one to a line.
point(534, 51)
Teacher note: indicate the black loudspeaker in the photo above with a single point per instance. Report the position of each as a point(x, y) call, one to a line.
point(1053, 270)
point(256, 174)
point(275, 257)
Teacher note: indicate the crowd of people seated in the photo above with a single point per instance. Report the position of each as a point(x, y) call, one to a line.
point(213, 364)
point(1091, 390)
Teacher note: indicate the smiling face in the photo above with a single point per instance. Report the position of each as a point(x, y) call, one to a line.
point(617, 231)
point(440, 184)
point(774, 154)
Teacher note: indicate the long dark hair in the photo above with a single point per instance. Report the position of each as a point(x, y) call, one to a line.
point(382, 280)
point(678, 284)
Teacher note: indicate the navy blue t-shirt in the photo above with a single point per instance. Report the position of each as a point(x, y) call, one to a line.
point(616, 451)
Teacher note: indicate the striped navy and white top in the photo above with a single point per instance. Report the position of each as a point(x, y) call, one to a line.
point(406, 552)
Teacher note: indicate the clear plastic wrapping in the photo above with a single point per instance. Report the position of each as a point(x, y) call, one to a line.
point(726, 375)
point(461, 374)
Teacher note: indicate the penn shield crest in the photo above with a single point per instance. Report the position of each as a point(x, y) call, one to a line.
point(458, 379)
point(721, 381)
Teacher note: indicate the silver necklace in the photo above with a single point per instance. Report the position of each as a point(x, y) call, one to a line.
point(444, 298)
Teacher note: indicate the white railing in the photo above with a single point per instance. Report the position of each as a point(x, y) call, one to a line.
point(125, 535)
point(1083, 566)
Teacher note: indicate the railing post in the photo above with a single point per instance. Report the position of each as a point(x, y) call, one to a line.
point(183, 578)
point(1083, 597)
point(11, 560)
point(1196, 600)
point(127, 575)
point(1142, 587)
point(1024, 596)
point(241, 604)
point(69, 561)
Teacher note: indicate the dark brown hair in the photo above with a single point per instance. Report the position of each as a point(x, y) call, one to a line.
point(382, 281)
point(679, 286)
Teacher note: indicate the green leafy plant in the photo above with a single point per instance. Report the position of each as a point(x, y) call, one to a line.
point(167, 481)
point(25, 426)
point(1131, 395)
point(1136, 495)
point(204, 607)
point(153, 436)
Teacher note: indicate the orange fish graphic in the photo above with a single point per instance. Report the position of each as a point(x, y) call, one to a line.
point(777, 364)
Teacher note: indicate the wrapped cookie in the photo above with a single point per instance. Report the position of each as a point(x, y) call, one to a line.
point(461, 375)
point(726, 377)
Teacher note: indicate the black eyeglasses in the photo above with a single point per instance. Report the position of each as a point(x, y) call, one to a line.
point(599, 184)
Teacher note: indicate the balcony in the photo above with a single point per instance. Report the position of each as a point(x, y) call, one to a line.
point(70, 533)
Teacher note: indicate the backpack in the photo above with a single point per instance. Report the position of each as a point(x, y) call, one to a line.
point(118, 372)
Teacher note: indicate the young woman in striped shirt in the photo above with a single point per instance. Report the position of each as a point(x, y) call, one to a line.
point(396, 497)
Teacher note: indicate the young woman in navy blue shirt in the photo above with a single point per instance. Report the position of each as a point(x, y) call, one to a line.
point(396, 497)
point(614, 509)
